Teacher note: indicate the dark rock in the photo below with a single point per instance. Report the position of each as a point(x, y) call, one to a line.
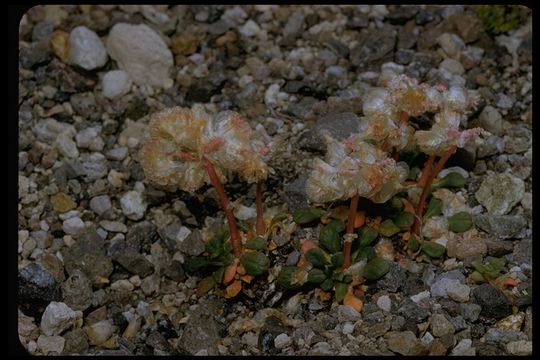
point(202, 331)
point(394, 279)
point(218, 28)
point(272, 327)
point(295, 194)
point(175, 271)
point(42, 31)
point(85, 105)
point(407, 37)
point(34, 55)
point(160, 345)
point(358, 22)
point(523, 252)
point(130, 258)
point(339, 126)
point(493, 301)
point(498, 248)
point(410, 310)
point(503, 226)
point(483, 349)
point(293, 28)
point(450, 306)
point(403, 56)
point(88, 255)
point(413, 285)
point(202, 91)
point(425, 16)
point(340, 48)
point(76, 342)
point(141, 236)
point(400, 14)
point(115, 313)
point(302, 108)
point(374, 48)
point(37, 284)
point(77, 291)
point(67, 79)
point(137, 108)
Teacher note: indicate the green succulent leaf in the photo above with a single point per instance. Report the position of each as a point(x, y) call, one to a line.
point(257, 243)
point(338, 276)
point(347, 279)
point(316, 276)
point(451, 180)
point(366, 235)
point(460, 222)
point(376, 268)
point(329, 237)
point(388, 228)
point(404, 220)
point(341, 291)
point(205, 285)
point(278, 218)
point(197, 263)
point(490, 268)
point(255, 263)
point(432, 249)
point(318, 257)
point(477, 277)
point(396, 203)
point(413, 244)
point(327, 285)
point(218, 274)
point(337, 259)
point(434, 208)
point(214, 247)
point(285, 277)
point(367, 253)
point(307, 214)
point(414, 172)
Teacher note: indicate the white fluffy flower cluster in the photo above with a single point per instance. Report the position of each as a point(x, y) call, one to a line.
point(181, 139)
point(354, 166)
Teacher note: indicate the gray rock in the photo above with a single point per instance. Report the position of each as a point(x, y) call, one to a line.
point(141, 236)
point(470, 312)
point(503, 336)
point(175, 271)
point(491, 120)
point(141, 52)
point(440, 286)
point(466, 247)
point(505, 102)
point(86, 49)
point(346, 313)
point(459, 323)
point(394, 279)
point(92, 166)
point(202, 331)
point(51, 344)
point(294, 26)
point(100, 204)
point(384, 303)
point(492, 145)
point(77, 291)
point(57, 318)
point(340, 126)
point(272, 328)
point(464, 348)
point(523, 252)
point(37, 284)
point(130, 258)
point(133, 205)
point(115, 84)
point(159, 343)
point(411, 310)
point(520, 348)
point(88, 255)
point(89, 139)
point(76, 342)
point(66, 146)
point(73, 226)
point(295, 194)
point(85, 105)
point(401, 342)
point(374, 48)
point(517, 140)
point(282, 340)
point(113, 226)
point(117, 154)
point(499, 193)
point(459, 292)
point(492, 300)
point(451, 44)
point(33, 55)
point(42, 31)
point(503, 226)
point(441, 326)
point(452, 66)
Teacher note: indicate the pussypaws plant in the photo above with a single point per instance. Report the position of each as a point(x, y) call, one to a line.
point(189, 148)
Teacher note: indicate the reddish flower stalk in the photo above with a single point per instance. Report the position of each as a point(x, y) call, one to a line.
point(428, 168)
point(225, 204)
point(259, 226)
point(422, 201)
point(347, 246)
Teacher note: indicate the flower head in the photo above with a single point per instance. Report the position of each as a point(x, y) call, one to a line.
point(181, 139)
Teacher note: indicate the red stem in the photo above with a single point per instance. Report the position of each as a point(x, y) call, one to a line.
point(428, 168)
point(259, 227)
point(347, 246)
point(427, 187)
point(235, 235)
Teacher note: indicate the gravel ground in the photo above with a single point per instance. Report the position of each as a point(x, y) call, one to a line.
point(101, 251)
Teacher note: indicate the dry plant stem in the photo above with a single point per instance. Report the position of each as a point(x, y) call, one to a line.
point(428, 168)
point(235, 235)
point(347, 246)
point(259, 226)
point(427, 187)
